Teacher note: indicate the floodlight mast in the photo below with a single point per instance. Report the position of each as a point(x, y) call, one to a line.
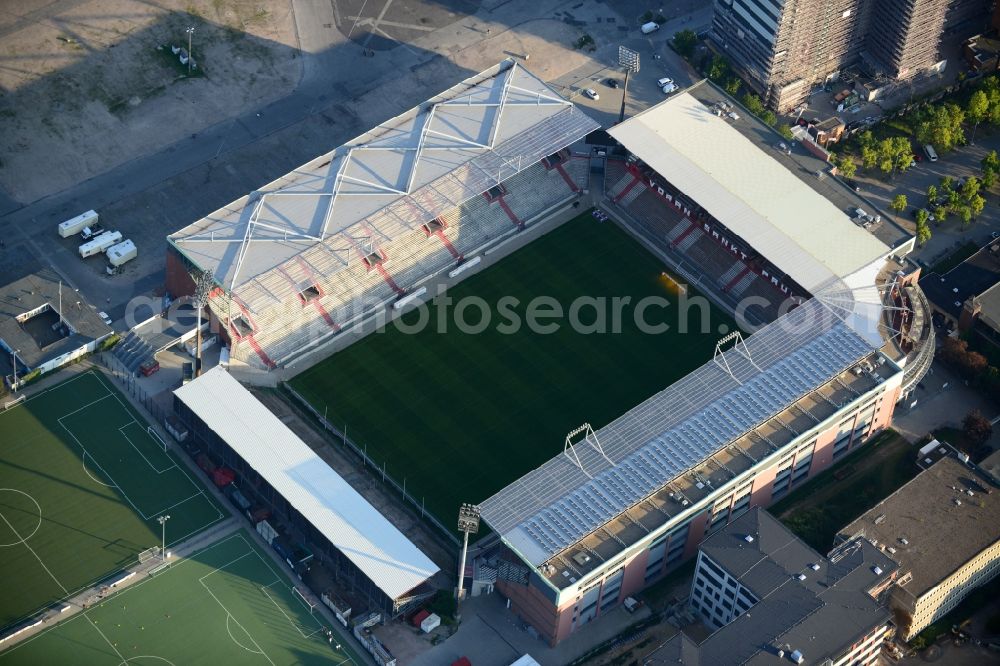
point(468, 523)
point(628, 59)
point(204, 282)
point(162, 520)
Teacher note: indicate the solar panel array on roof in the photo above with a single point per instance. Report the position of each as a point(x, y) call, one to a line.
point(556, 505)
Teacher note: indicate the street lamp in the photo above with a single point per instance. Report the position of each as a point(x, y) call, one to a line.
point(468, 523)
point(162, 520)
point(628, 59)
point(190, 32)
point(13, 354)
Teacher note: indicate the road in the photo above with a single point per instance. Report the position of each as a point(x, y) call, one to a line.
point(341, 94)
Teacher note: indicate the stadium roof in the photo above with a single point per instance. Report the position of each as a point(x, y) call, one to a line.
point(389, 181)
point(322, 496)
point(754, 195)
point(554, 506)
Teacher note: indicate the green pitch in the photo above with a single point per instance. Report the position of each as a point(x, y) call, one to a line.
point(459, 416)
point(81, 486)
point(226, 604)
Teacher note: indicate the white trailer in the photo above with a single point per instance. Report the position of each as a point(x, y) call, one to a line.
point(76, 225)
point(100, 244)
point(120, 254)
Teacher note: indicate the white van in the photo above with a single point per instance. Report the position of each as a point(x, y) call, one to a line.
point(929, 151)
point(647, 28)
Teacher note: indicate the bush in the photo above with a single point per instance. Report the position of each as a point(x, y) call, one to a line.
point(684, 42)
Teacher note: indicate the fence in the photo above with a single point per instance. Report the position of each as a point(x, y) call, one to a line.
point(130, 386)
point(368, 462)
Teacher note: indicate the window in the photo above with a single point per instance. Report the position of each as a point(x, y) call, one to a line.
point(434, 226)
point(309, 291)
point(374, 258)
point(242, 325)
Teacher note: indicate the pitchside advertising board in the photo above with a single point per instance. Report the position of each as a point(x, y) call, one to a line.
point(715, 232)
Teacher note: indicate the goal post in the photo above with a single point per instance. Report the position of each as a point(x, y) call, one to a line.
point(301, 597)
point(156, 436)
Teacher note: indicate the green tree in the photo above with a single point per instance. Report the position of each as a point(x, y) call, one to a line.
point(685, 41)
point(718, 69)
point(768, 117)
point(977, 110)
point(965, 214)
point(932, 194)
point(733, 86)
point(941, 126)
point(922, 216)
point(753, 104)
point(946, 184)
point(786, 132)
point(869, 157)
point(866, 138)
point(940, 214)
point(991, 162)
point(976, 204)
point(899, 203)
point(847, 166)
point(923, 233)
point(989, 179)
point(970, 188)
point(954, 200)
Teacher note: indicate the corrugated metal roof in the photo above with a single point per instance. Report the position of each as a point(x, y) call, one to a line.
point(749, 191)
point(390, 180)
point(326, 500)
point(559, 503)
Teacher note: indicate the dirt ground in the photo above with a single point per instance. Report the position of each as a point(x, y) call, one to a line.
point(86, 86)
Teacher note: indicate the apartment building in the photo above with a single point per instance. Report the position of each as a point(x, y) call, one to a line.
point(785, 48)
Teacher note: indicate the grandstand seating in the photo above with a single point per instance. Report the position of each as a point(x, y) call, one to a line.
point(282, 327)
point(677, 233)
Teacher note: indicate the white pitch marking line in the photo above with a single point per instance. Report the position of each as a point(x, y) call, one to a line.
point(51, 575)
point(129, 440)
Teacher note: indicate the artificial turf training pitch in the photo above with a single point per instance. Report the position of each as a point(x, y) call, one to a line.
point(226, 604)
point(459, 416)
point(82, 483)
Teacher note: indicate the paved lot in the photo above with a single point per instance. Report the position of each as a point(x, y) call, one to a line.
point(342, 93)
point(960, 163)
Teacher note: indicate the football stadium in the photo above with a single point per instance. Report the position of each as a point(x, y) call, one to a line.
point(598, 462)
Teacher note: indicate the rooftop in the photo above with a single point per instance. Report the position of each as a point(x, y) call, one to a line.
point(833, 189)
point(972, 277)
point(747, 394)
point(389, 181)
point(335, 509)
point(32, 334)
point(933, 523)
point(820, 616)
point(751, 192)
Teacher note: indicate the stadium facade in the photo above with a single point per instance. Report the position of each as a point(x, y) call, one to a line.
point(323, 248)
point(630, 501)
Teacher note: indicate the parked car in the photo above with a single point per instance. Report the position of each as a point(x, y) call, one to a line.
point(853, 184)
point(783, 147)
point(732, 115)
point(104, 317)
point(591, 93)
point(149, 367)
point(611, 83)
point(664, 81)
point(669, 88)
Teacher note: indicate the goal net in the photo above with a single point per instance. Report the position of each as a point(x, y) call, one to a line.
point(301, 597)
point(152, 433)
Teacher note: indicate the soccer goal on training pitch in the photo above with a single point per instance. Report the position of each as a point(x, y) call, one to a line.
point(152, 433)
point(308, 604)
